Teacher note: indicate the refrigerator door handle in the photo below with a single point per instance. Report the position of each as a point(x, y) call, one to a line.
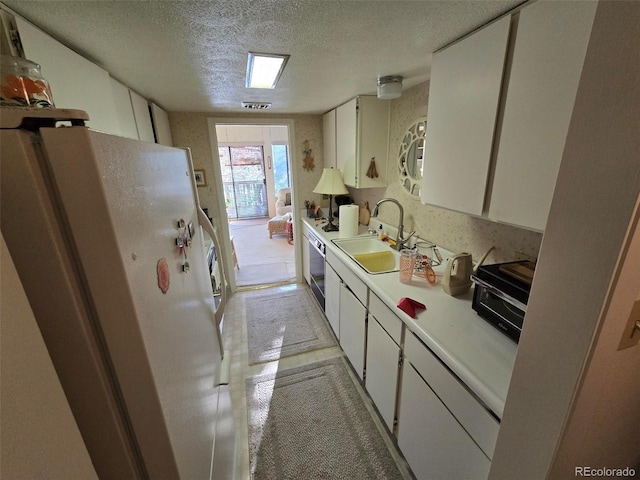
point(204, 222)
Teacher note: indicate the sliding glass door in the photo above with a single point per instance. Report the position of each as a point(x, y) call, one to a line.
point(244, 182)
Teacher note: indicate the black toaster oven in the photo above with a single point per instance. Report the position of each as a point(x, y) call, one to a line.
point(501, 294)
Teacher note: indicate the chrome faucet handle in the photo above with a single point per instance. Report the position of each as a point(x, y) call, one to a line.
point(403, 240)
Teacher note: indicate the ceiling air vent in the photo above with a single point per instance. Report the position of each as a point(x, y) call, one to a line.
point(256, 105)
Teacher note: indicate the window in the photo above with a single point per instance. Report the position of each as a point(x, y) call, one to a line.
point(280, 155)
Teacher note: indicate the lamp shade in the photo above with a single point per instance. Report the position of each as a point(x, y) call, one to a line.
point(331, 183)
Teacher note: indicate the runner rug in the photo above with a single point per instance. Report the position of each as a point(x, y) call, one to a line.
point(310, 422)
point(284, 325)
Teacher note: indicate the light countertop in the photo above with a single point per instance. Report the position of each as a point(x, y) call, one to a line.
point(476, 352)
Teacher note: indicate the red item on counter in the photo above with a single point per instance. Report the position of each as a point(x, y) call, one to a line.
point(409, 306)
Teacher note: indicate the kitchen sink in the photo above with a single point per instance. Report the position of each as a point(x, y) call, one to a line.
point(370, 253)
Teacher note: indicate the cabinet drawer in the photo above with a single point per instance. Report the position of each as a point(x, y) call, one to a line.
point(473, 417)
point(386, 318)
point(356, 285)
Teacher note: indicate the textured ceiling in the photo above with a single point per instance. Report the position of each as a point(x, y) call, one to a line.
point(192, 55)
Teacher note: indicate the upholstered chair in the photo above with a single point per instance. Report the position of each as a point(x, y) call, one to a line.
point(283, 202)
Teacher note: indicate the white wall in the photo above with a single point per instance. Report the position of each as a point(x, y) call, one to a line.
point(604, 425)
point(568, 337)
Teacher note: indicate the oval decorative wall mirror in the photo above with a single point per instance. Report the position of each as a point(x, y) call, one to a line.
point(410, 156)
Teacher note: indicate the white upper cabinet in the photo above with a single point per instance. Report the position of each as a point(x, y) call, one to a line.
point(161, 125)
point(124, 110)
point(494, 146)
point(329, 139)
point(346, 133)
point(75, 82)
point(548, 55)
point(464, 94)
point(362, 135)
point(143, 117)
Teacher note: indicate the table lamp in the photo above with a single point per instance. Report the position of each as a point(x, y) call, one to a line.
point(330, 184)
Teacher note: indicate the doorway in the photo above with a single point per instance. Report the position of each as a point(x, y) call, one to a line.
point(261, 260)
point(253, 165)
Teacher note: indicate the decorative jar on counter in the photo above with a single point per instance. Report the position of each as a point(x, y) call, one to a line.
point(22, 84)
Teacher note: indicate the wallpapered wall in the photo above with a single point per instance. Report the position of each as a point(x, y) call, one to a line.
point(454, 231)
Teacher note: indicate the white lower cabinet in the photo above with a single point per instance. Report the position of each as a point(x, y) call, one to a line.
point(346, 299)
point(430, 437)
point(383, 355)
point(332, 284)
point(443, 430)
point(353, 317)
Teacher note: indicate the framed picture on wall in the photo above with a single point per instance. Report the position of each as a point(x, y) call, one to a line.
point(201, 180)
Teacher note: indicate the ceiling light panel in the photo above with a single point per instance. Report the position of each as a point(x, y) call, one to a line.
point(264, 69)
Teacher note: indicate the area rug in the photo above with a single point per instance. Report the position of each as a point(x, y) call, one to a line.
point(310, 422)
point(284, 324)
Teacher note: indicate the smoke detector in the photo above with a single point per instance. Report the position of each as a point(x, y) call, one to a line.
point(256, 105)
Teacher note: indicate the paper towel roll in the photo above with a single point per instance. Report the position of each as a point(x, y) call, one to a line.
point(349, 220)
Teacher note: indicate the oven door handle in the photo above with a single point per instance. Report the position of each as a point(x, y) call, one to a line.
point(500, 294)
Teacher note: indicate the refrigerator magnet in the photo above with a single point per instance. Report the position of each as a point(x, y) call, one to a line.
point(163, 275)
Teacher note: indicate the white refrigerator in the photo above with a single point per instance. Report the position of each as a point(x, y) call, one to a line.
point(109, 242)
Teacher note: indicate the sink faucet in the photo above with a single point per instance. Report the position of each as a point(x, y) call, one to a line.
point(400, 240)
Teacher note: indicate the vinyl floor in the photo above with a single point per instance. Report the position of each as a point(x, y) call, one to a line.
point(235, 339)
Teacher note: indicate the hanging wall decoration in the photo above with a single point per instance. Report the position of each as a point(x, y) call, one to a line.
point(307, 162)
